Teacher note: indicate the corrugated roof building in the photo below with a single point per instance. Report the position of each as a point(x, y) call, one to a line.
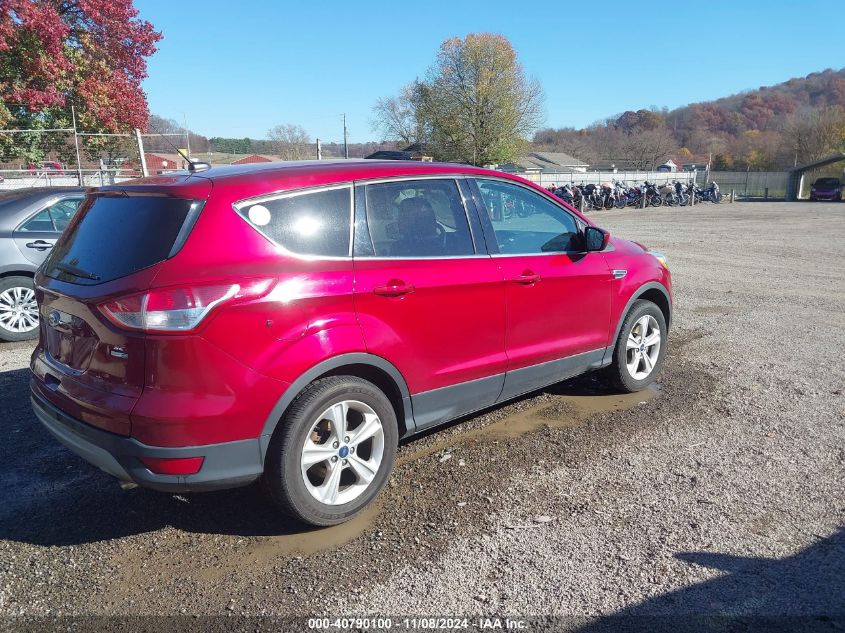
point(545, 163)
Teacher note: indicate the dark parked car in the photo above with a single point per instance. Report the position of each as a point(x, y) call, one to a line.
point(291, 321)
point(31, 220)
point(826, 189)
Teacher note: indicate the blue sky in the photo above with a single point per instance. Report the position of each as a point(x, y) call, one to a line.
point(238, 68)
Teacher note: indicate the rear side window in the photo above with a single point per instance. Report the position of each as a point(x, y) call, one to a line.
point(55, 217)
point(39, 222)
point(118, 235)
point(418, 218)
point(311, 222)
point(63, 211)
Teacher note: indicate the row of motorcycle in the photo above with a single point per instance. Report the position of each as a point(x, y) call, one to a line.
point(619, 195)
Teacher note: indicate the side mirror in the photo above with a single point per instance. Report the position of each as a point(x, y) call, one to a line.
point(595, 239)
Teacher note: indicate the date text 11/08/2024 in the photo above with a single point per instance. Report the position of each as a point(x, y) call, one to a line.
point(419, 623)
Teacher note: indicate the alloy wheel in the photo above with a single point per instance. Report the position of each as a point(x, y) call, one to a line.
point(643, 347)
point(342, 453)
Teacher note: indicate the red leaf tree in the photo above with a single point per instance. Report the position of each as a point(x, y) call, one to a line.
point(87, 53)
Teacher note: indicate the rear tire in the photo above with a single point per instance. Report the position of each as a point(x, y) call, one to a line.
point(18, 309)
point(637, 340)
point(312, 470)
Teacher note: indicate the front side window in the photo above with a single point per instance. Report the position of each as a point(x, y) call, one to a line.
point(315, 223)
point(418, 218)
point(525, 223)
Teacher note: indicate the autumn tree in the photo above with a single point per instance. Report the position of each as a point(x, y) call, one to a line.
point(290, 142)
point(90, 54)
point(814, 134)
point(475, 106)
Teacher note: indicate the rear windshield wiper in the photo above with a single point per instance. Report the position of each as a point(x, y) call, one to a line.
point(77, 272)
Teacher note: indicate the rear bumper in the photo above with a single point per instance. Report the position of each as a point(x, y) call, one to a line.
point(225, 465)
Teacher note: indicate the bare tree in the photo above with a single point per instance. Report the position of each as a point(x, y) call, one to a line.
point(647, 149)
point(290, 142)
point(398, 118)
point(814, 134)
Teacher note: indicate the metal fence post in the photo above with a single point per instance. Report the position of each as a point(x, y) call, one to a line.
point(140, 142)
point(76, 144)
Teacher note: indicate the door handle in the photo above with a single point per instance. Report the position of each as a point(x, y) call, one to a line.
point(527, 278)
point(39, 245)
point(394, 288)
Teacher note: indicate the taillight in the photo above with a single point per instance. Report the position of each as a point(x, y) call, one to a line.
point(178, 309)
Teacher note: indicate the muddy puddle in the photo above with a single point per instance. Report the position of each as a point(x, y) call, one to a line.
point(560, 411)
point(212, 560)
point(265, 551)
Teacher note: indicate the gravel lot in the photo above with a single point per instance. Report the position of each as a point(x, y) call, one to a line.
point(719, 492)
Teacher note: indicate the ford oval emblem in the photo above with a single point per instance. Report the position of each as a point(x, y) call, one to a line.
point(54, 318)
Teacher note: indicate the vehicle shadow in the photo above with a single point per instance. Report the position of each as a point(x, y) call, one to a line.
point(803, 592)
point(52, 497)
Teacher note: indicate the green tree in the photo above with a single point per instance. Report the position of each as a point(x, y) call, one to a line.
point(475, 106)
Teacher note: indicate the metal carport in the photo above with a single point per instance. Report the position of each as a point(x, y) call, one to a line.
point(796, 175)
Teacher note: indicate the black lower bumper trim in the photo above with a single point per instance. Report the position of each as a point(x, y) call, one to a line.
point(225, 465)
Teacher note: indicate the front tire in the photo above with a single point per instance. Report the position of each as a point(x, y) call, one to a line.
point(18, 309)
point(332, 452)
point(640, 348)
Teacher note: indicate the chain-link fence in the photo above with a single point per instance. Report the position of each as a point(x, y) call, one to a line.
point(64, 157)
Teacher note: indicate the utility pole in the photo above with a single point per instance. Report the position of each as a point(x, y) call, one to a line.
point(319, 150)
point(345, 144)
point(76, 143)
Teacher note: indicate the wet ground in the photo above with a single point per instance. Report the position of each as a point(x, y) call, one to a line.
point(571, 501)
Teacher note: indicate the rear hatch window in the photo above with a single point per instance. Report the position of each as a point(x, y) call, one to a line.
point(115, 235)
point(827, 183)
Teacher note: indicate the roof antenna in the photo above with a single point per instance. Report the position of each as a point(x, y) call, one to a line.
point(194, 166)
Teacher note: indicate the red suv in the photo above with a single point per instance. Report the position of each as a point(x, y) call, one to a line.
point(291, 322)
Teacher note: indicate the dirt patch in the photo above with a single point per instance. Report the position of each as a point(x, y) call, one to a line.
point(556, 411)
point(716, 310)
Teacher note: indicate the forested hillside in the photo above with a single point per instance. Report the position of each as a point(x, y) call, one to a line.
point(772, 127)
